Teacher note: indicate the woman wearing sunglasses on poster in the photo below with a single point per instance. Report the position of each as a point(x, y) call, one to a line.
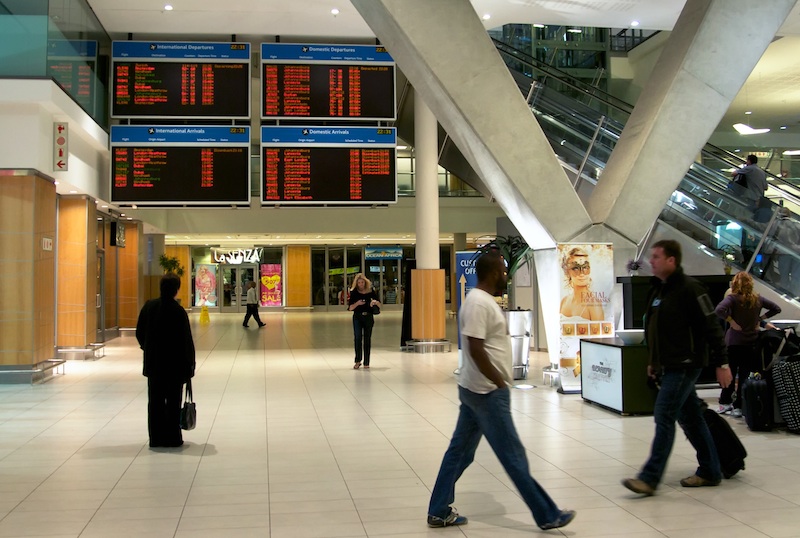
point(583, 303)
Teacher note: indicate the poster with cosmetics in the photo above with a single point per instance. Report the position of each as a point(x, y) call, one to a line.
point(587, 271)
point(270, 285)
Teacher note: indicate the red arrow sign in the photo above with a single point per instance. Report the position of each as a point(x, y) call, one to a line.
point(60, 163)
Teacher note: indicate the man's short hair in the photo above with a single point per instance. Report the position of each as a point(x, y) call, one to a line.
point(170, 284)
point(752, 158)
point(487, 263)
point(671, 248)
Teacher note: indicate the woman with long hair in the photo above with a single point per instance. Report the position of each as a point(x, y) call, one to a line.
point(583, 303)
point(362, 299)
point(742, 310)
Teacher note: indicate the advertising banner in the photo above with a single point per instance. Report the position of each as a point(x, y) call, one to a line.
point(586, 310)
point(270, 285)
point(466, 279)
point(205, 285)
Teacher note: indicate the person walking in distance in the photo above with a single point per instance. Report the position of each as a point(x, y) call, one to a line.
point(165, 336)
point(361, 300)
point(486, 405)
point(680, 326)
point(252, 305)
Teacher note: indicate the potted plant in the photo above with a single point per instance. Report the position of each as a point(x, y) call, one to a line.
point(633, 266)
point(728, 257)
point(171, 264)
point(515, 252)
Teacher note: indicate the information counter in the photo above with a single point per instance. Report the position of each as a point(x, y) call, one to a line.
point(614, 375)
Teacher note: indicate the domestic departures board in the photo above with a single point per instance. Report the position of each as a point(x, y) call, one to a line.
point(178, 80)
point(322, 82)
point(328, 165)
point(165, 165)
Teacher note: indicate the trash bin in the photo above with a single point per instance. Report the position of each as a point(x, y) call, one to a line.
point(519, 327)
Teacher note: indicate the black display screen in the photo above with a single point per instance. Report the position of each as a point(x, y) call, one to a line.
point(328, 175)
point(181, 89)
point(321, 91)
point(165, 175)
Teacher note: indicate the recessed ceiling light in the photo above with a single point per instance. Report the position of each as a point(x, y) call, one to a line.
point(538, 25)
point(401, 147)
point(574, 30)
point(104, 206)
point(122, 214)
point(73, 192)
point(747, 130)
point(737, 150)
point(784, 127)
point(792, 152)
point(168, 7)
point(130, 218)
point(334, 12)
point(55, 182)
point(748, 112)
point(634, 23)
point(486, 16)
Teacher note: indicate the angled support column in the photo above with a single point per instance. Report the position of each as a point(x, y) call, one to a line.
point(713, 48)
point(444, 50)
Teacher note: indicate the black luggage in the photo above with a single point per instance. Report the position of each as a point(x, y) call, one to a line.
point(730, 450)
point(786, 378)
point(757, 405)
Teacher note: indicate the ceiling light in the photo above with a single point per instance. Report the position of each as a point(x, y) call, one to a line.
point(168, 7)
point(792, 152)
point(55, 182)
point(538, 25)
point(486, 16)
point(784, 127)
point(104, 206)
point(747, 113)
point(401, 147)
point(634, 23)
point(73, 192)
point(334, 12)
point(747, 130)
point(737, 150)
point(574, 30)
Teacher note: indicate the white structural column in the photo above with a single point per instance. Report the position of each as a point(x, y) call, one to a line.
point(712, 50)
point(427, 280)
point(426, 185)
point(444, 50)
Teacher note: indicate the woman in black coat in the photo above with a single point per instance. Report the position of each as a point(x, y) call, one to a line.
point(164, 334)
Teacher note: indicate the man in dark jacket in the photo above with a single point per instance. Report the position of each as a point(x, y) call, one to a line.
point(680, 326)
point(164, 334)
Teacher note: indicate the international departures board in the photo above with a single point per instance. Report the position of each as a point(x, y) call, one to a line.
point(322, 82)
point(177, 165)
point(328, 165)
point(180, 80)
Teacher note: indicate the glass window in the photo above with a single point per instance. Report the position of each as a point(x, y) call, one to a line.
point(318, 280)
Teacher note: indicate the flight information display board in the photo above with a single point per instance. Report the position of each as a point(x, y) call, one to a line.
point(73, 65)
point(328, 165)
point(164, 165)
point(321, 82)
point(180, 80)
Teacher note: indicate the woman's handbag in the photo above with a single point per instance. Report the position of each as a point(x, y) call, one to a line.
point(188, 411)
point(376, 310)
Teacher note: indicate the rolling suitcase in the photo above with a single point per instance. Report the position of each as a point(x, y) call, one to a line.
point(786, 378)
point(757, 404)
point(730, 450)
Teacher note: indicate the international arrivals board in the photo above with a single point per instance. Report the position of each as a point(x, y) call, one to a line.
point(328, 165)
point(180, 165)
point(180, 80)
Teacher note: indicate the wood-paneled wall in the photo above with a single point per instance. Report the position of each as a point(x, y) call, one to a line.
point(428, 304)
point(298, 276)
point(129, 276)
point(27, 316)
point(77, 272)
point(184, 255)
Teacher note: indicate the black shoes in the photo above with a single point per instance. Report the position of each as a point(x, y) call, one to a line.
point(563, 519)
point(262, 325)
point(245, 326)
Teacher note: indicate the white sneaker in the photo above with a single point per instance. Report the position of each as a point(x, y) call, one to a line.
point(736, 413)
point(725, 409)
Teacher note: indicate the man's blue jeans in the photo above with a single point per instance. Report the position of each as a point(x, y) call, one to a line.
point(489, 415)
point(677, 400)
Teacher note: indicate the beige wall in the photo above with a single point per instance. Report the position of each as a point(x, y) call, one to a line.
point(27, 317)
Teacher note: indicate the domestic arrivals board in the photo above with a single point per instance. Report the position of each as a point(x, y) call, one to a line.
point(328, 165)
point(322, 82)
point(180, 80)
point(72, 63)
point(180, 165)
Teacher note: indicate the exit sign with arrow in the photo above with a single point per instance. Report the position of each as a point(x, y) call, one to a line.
point(60, 146)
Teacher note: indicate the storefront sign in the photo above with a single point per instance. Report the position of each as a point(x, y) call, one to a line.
point(237, 257)
point(270, 285)
point(383, 253)
point(586, 310)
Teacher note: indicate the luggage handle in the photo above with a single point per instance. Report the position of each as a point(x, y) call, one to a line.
point(777, 354)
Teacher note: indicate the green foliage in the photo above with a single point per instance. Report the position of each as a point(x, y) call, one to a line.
point(170, 264)
point(514, 250)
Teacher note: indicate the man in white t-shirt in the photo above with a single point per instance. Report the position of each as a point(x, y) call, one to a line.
point(486, 405)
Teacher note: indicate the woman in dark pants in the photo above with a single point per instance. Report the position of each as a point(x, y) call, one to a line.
point(362, 299)
point(164, 334)
point(742, 310)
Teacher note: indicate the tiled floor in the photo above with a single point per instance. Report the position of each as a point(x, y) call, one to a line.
point(292, 442)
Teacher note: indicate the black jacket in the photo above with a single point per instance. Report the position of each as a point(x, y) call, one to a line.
point(680, 324)
point(164, 334)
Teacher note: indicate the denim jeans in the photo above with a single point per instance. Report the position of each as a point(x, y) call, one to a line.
point(362, 336)
point(677, 400)
point(489, 415)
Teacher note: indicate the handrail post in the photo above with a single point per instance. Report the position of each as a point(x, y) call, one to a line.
point(763, 239)
point(589, 151)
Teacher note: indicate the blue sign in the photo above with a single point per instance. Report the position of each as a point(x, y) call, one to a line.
point(147, 134)
point(383, 253)
point(333, 136)
point(179, 50)
point(324, 53)
point(466, 279)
